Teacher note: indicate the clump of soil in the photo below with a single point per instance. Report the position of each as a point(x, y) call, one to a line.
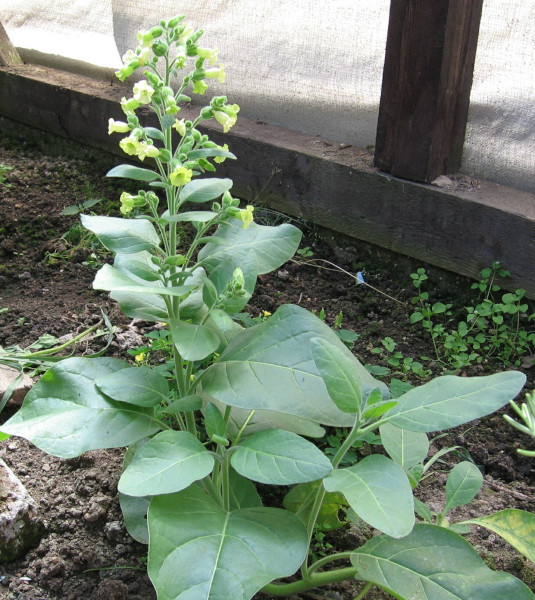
point(85, 551)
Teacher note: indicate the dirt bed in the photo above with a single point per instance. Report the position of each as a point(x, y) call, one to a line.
point(45, 284)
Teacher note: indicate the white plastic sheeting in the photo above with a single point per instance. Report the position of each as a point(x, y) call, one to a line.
point(314, 67)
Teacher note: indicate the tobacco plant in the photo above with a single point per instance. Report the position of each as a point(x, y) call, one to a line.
point(242, 404)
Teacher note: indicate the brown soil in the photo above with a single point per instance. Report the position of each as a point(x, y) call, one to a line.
point(85, 551)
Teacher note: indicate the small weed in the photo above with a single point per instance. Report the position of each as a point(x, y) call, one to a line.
point(404, 365)
point(492, 327)
point(76, 209)
point(5, 170)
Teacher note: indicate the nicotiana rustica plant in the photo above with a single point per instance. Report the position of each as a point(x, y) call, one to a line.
point(244, 403)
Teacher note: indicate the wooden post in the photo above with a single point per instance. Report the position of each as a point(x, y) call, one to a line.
point(427, 78)
point(8, 53)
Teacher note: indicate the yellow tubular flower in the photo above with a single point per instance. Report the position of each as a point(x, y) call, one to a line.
point(181, 176)
point(117, 126)
point(129, 145)
point(143, 92)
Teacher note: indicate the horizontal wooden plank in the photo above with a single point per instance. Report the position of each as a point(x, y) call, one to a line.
point(461, 228)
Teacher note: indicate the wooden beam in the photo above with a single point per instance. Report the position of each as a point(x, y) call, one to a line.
point(427, 78)
point(463, 228)
point(8, 53)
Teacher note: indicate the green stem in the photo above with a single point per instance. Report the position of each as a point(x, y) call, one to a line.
point(327, 559)
point(364, 591)
point(313, 581)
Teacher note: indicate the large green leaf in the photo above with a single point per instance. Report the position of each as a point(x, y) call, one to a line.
point(243, 492)
point(434, 563)
point(123, 235)
point(301, 498)
point(270, 367)
point(378, 490)
point(137, 385)
point(517, 527)
point(110, 279)
point(463, 483)
point(135, 509)
point(199, 551)
point(204, 190)
point(140, 268)
point(194, 342)
point(280, 458)
point(268, 419)
point(132, 172)
point(271, 247)
point(338, 372)
point(406, 448)
point(170, 462)
point(450, 401)
point(65, 414)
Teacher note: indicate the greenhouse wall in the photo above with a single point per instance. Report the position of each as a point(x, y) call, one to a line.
point(311, 67)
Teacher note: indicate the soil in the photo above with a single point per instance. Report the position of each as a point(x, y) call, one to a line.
point(45, 283)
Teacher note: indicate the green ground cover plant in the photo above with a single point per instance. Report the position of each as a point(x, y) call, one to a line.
point(240, 406)
point(495, 324)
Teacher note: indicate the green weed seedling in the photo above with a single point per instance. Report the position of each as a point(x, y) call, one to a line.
point(4, 171)
point(492, 327)
point(403, 365)
point(243, 406)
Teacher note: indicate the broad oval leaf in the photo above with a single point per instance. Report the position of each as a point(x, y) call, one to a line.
point(463, 483)
point(450, 401)
point(132, 172)
point(378, 490)
point(194, 342)
point(170, 462)
point(141, 386)
point(123, 235)
point(406, 448)
point(279, 457)
point(270, 247)
point(199, 551)
point(517, 527)
point(110, 279)
point(434, 563)
point(65, 414)
point(195, 216)
point(204, 190)
point(301, 498)
point(339, 374)
point(270, 367)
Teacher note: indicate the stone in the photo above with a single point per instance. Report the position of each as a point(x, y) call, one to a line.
point(7, 376)
point(20, 525)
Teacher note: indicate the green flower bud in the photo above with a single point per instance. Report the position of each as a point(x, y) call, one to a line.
point(175, 21)
point(206, 113)
point(216, 207)
point(165, 155)
point(154, 79)
point(175, 261)
point(206, 165)
point(156, 32)
point(160, 48)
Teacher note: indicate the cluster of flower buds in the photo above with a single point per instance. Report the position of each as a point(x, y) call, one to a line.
point(231, 207)
point(142, 198)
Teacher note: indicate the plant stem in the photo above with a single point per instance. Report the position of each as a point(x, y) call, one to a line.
point(314, 580)
point(364, 591)
point(327, 559)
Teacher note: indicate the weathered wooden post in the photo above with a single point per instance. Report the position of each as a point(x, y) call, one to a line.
point(427, 78)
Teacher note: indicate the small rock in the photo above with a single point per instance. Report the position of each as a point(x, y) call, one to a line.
point(20, 528)
point(7, 376)
point(442, 181)
point(25, 275)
